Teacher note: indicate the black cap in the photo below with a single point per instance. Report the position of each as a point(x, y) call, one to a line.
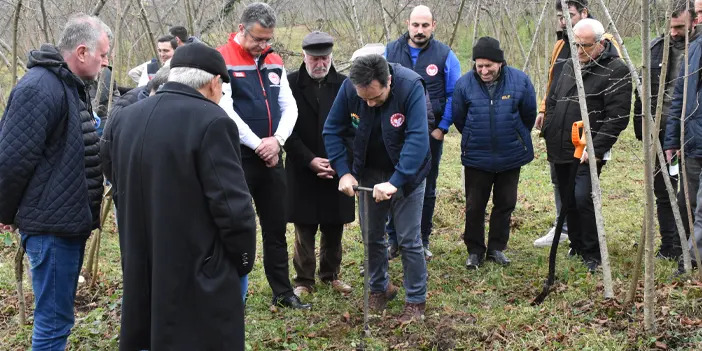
point(201, 56)
point(488, 48)
point(318, 43)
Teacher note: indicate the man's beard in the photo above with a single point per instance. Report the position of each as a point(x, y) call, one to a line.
point(318, 73)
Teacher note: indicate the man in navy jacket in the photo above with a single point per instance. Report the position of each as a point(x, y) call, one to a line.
point(50, 179)
point(436, 63)
point(384, 106)
point(494, 108)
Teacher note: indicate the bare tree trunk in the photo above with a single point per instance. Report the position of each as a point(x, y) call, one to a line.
point(649, 263)
point(515, 31)
point(98, 7)
point(161, 27)
point(386, 27)
point(356, 23)
point(475, 24)
point(455, 24)
point(536, 35)
point(145, 19)
point(44, 22)
point(19, 276)
point(637, 267)
point(15, 25)
point(596, 191)
point(228, 7)
point(189, 16)
point(7, 47)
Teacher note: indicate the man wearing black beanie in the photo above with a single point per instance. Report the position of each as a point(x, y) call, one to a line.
point(494, 108)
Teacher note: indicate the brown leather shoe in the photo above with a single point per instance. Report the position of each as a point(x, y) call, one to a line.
point(412, 312)
point(340, 286)
point(379, 300)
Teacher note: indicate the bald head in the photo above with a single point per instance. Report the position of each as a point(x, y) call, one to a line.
point(420, 26)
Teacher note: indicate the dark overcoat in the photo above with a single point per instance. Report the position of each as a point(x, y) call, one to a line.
point(186, 222)
point(313, 200)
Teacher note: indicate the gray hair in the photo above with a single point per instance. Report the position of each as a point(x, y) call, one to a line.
point(159, 79)
point(260, 13)
point(82, 29)
point(192, 77)
point(594, 25)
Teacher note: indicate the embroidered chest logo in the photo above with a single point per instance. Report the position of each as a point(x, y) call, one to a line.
point(354, 120)
point(274, 78)
point(432, 70)
point(506, 97)
point(239, 74)
point(397, 120)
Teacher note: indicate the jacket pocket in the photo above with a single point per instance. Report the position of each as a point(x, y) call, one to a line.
point(521, 140)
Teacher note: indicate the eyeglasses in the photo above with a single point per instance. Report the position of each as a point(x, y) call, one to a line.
point(584, 45)
point(257, 40)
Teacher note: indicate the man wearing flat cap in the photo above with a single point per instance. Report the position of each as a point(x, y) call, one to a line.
point(187, 225)
point(313, 200)
point(494, 109)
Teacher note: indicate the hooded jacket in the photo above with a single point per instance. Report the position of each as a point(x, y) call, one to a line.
point(608, 97)
point(50, 179)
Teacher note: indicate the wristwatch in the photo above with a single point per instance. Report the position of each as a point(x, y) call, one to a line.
point(280, 139)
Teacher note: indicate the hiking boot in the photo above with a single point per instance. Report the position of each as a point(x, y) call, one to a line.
point(340, 286)
point(547, 240)
point(412, 312)
point(377, 301)
point(591, 264)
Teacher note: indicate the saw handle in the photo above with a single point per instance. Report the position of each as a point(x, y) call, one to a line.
point(579, 140)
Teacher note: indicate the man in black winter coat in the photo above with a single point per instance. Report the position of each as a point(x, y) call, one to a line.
point(313, 199)
point(50, 179)
point(681, 21)
point(186, 218)
point(608, 98)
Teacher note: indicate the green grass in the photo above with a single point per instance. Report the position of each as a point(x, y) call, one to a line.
point(488, 309)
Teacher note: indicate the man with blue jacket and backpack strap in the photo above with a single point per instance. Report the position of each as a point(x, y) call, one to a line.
point(494, 108)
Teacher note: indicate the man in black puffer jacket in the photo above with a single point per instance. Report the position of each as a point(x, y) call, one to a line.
point(50, 178)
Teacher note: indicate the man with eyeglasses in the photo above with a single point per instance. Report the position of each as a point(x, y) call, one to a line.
point(261, 103)
point(577, 10)
point(608, 97)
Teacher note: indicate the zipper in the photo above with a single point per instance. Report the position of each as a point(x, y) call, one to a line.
point(520, 139)
point(268, 107)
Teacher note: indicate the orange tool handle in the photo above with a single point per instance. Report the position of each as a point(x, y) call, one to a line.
point(579, 140)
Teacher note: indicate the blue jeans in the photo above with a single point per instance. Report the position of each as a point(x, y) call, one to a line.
point(437, 148)
point(406, 209)
point(55, 263)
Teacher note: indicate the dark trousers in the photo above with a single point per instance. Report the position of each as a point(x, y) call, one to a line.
point(670, 241)
point(582, 226)
point(479, 185)
point(694, 168)
point(436, 147)
point(268, 189)
point(305, 259)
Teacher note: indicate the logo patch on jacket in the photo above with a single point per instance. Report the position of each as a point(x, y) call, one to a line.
point(274, 78)
point(397, 120)
point(239, 74)
point(432, 70)
point(354, 120)
point(506, 97)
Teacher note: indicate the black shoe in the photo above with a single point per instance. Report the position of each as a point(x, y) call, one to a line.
point(591, 264)
point(681, 266)
point(474, 261)
point(672, 255)
point(572, 253)
point(291, 301)
point(498, 257)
